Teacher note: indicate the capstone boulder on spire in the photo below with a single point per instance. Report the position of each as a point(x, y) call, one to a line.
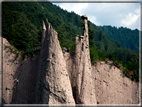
point(84, 17)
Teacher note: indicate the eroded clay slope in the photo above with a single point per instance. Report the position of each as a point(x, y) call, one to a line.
point(112, 87)
point(19, 77)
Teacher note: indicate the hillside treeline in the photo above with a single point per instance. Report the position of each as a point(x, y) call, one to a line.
point(126, 37)
point(22, 27)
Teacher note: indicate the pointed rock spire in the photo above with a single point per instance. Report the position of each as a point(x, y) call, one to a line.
point(85, 90)
point(54, 80)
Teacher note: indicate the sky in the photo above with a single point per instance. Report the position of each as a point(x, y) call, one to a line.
point(114, 14)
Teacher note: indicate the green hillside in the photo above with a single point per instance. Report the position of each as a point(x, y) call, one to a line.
point(126, 37)
point(22, 27)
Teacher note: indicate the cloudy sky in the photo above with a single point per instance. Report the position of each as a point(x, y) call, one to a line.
point(114, 14)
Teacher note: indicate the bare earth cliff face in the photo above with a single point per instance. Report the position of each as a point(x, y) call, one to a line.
point(54, 77)
point(112, 87)
point(19, 77)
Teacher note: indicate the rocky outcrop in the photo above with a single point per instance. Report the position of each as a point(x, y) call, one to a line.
point(54, 83)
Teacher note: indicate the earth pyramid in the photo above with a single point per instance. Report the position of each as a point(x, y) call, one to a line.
point(53, 85)
point(85, 90)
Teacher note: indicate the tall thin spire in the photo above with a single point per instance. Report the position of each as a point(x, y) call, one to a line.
point(85, 90)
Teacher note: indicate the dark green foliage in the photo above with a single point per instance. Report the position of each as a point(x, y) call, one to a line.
point(91, 36)
point(21, 32)
point(17, 28)
point(126, 37)
point(66, 35)
point(94, 54)
point(72, 48)
point(28, 35)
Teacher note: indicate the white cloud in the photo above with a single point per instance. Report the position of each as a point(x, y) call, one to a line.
point(130, 19)
point(114, 14)
point(76, 7)
point(94, 20)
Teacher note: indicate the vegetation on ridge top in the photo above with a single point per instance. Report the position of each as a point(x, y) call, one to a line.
point(126, 37)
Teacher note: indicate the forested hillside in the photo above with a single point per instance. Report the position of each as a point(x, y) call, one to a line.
point(22, 27)
point(126, 37)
